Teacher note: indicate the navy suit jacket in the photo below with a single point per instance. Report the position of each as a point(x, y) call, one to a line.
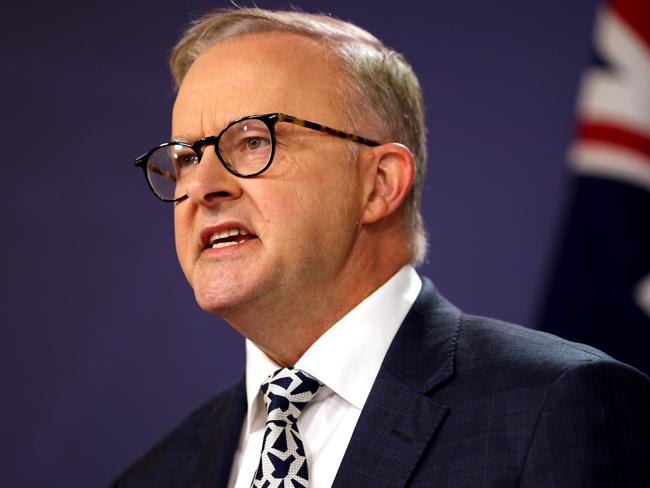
point(459, 401)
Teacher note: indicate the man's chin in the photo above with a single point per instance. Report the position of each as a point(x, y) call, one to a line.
point(214, 303)
point(226, 301)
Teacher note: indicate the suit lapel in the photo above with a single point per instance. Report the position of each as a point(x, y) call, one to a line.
point(399, 420)
point(220, 438)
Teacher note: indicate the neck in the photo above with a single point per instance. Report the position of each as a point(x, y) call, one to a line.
point(286, 324)
point(287, 343)
point(284, 331)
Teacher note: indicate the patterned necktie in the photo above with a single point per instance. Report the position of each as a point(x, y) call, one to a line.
point(283, 463)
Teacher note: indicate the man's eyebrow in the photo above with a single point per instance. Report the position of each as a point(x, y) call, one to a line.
point(184, 138)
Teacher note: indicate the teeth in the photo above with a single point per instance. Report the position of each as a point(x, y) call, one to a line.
point(219, 245)
point(222, 234)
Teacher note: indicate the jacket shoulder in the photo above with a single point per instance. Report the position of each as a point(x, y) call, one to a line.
point(177, 454)
point(528, 408)
point(485, 342)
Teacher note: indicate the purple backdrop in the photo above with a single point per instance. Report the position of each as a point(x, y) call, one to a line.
point(103, 348)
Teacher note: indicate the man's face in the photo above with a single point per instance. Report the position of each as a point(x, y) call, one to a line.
point(302, 214)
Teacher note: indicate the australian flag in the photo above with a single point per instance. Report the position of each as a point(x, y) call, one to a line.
point(599, 287)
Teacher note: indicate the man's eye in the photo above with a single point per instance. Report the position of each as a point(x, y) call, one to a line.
point(184, 159)
point(254, 143)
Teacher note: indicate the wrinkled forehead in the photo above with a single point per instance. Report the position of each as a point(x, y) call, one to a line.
point(260, 73)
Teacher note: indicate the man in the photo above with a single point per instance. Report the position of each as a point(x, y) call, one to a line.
point(295, 170)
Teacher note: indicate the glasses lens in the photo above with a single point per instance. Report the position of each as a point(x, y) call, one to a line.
point(167, 169)
point(246, 146)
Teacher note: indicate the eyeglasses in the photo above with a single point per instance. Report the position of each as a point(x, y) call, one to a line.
point(245, 148)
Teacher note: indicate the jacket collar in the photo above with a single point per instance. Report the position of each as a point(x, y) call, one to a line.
point(423, 352)
point(399, 420)
point(219, 437)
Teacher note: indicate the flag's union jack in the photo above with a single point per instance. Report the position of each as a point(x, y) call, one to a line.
point(613, 132)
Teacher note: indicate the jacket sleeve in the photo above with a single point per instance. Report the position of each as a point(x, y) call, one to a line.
point(593, 431)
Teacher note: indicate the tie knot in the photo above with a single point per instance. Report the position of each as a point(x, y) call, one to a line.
point(286, 393)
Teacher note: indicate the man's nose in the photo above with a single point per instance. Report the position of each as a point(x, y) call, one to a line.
point(211, 183)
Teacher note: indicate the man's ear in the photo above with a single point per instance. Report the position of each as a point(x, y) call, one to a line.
point(389, 183)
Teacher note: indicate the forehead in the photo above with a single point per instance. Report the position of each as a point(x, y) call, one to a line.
point(259, 73)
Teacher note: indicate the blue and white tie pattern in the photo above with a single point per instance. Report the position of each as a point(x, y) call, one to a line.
point(283, 463)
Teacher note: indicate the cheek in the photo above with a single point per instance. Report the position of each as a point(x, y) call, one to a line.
point(183, 238)
point(314, 213)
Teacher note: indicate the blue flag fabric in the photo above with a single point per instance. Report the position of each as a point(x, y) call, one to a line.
point(599, 288)
point(604, 255)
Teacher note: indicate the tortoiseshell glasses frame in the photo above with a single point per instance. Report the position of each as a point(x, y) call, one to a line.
point(247, 150)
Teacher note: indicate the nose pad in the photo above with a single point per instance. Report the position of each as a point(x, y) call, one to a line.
point(210, 182)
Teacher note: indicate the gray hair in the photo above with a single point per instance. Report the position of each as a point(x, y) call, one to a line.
point(380, 86)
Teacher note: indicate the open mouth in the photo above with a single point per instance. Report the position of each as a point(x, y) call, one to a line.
point(229, 237)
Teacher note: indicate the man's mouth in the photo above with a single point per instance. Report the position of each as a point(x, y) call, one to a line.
point(229, 237)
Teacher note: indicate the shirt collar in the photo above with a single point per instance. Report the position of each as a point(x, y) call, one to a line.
point(356, 343)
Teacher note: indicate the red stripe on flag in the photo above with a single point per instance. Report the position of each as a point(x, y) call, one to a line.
point(615, 135)
point(636, 14)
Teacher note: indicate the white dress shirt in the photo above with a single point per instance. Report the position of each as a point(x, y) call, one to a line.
point(346, 359)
